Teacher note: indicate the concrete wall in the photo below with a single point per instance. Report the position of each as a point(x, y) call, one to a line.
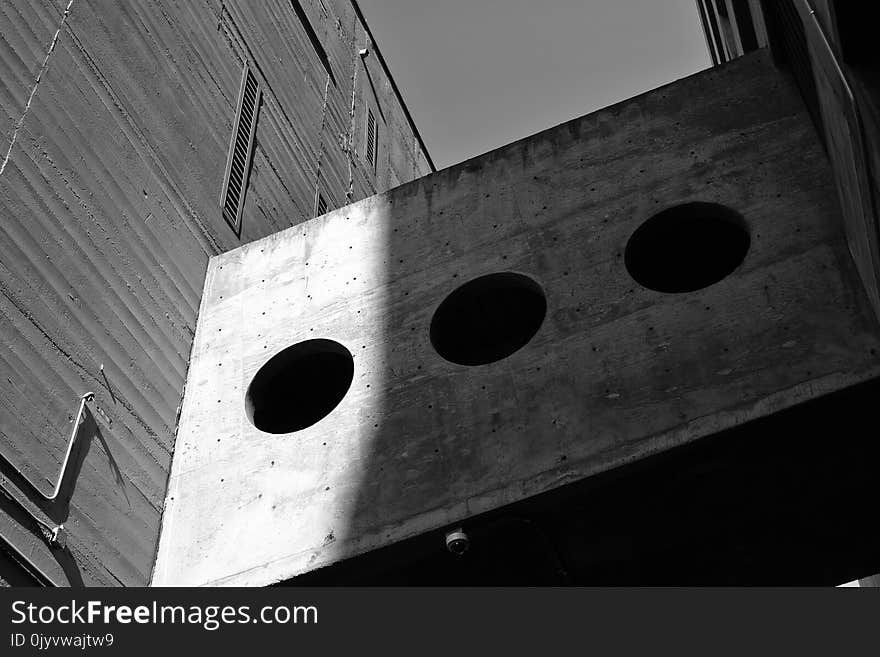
point(117, 119)
point(850, 128)
point(616, 373)
point(839, 56)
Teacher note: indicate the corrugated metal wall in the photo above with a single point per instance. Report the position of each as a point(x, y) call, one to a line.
point(109, 210)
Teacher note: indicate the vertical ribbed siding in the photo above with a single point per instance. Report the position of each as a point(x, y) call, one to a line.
point(787, 33)
point(239, 162)
point(108, 214)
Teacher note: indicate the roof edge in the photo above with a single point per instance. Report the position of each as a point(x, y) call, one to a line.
point(409, 118)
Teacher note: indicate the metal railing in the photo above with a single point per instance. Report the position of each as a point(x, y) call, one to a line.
point(53, 535)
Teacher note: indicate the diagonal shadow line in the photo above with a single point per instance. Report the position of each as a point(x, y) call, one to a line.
point(111, 461)
point(378, 105)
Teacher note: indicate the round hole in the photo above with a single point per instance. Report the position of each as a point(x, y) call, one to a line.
point(299, 386)
point(488, 318)
point(687, 247)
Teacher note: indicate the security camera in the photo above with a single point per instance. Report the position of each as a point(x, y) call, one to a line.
point(457, 542)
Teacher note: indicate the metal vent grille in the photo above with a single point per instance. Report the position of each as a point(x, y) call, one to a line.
point(238, 163)
point(320, 205)
point(372, 136)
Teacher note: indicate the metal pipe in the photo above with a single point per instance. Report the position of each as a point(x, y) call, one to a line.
point(54, 536)
point(73, 434)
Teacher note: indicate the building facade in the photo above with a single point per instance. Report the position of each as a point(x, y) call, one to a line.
point(138, 141)
point(613, 352)
point(826, 47)
point(636, 348)
point(641, 347)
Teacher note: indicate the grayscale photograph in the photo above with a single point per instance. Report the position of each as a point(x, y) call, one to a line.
point(382, 294)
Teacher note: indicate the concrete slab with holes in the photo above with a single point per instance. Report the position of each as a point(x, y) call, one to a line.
point(591, 352)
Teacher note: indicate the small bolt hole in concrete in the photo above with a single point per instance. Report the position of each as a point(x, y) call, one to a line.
point(299, 386)
point(687, 247)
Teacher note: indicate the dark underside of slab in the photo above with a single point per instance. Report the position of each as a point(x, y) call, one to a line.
point(790, 499)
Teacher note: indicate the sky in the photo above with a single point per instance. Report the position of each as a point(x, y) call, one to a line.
point(478, 74)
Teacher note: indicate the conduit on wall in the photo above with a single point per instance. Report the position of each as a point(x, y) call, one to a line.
point(54, 536)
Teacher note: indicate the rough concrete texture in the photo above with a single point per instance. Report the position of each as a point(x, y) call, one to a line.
point(844, 118)
point(616, 373)
point(109, 210)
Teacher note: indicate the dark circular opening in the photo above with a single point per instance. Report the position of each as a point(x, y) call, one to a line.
point(299, 386)
point(687, 247)
point(488, 318)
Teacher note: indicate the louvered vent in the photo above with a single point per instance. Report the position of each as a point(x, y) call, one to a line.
point(320, 205)
point(372, 135)
point(238, 164)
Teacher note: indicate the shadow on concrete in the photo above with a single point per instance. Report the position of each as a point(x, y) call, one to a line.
point(772, 502)
point(785, 499)
point(781, 500)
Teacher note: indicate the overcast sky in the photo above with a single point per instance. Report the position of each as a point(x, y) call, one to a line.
point(478, 74)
